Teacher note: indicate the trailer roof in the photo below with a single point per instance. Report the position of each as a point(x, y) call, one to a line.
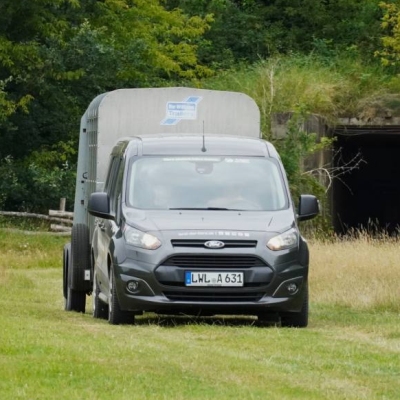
point(174, 110)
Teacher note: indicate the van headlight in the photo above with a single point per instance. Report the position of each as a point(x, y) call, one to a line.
point(141, 239)
point(285, 240)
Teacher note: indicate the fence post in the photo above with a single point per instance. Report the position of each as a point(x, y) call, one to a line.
point(62, 204)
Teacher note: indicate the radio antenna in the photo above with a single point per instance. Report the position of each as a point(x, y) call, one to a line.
point(203, 149)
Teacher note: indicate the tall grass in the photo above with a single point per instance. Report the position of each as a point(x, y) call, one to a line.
point(361, 273)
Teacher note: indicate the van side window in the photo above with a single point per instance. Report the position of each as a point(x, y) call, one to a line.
point(110, 169)
point(115, 196)
point(110, 187)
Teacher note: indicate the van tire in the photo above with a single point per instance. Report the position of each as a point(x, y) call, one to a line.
point(80, 258)
point(100, 309)
point(115, 315)
point(297, 319)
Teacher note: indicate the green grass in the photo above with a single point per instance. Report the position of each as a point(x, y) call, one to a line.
point(348, 352)
point(24, 223)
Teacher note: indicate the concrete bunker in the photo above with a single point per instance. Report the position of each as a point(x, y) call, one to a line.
point(366, 160)
point(368, 196)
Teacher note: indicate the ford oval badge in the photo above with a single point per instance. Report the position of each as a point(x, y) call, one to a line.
point(214, 244)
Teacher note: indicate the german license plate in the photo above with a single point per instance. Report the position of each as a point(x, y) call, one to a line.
point(227, 279)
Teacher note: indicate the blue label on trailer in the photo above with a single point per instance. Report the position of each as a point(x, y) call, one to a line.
point(179, 110)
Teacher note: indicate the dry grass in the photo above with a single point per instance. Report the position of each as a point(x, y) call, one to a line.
point(360, 273)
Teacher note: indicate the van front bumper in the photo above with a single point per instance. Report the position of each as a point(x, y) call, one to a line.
point(143, 287)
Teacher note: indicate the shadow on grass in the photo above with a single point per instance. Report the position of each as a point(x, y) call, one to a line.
point(171, 321)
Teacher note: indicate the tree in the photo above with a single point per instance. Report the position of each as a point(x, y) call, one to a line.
point(60, 54)
point(237, 33)
point(56, 55)
point(249, 30)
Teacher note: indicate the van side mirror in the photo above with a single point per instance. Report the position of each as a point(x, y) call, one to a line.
point(99, 205)
point(308, 207)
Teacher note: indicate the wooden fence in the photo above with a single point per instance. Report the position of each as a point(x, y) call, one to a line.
point(60, 220)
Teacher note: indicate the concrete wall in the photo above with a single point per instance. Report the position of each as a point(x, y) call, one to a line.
point(368, 190)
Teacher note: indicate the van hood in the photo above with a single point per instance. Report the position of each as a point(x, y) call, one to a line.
point(209, 220)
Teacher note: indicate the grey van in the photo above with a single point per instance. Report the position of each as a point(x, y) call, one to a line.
point(193, 228)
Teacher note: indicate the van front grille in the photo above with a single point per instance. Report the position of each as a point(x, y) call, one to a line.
point(213, 296)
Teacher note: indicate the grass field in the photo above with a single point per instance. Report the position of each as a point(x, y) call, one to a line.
point(351, 349)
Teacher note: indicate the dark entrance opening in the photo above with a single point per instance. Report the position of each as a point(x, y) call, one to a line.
point(367, 197)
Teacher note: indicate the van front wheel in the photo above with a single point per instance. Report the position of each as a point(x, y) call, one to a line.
point(297, 319)
point(115, 315)
point(99, 308)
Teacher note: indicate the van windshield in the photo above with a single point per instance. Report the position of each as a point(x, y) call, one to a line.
point(219, 183)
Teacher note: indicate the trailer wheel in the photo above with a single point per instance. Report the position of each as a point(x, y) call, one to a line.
point(77, 261)
point(80, 258)
point(100, 309)
point(115, 315)
point(297, 319)
point(66, 256)
point(75, 301)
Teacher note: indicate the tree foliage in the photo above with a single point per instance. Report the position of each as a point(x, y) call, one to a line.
point(56, 55)
point(390, 53)
point(252, 29)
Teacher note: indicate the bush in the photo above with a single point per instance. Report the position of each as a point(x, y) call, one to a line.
point(37, 183)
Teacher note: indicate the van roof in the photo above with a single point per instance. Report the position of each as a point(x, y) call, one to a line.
point(189, 144)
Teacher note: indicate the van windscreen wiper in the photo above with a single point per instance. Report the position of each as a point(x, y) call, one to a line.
point(205, 208)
